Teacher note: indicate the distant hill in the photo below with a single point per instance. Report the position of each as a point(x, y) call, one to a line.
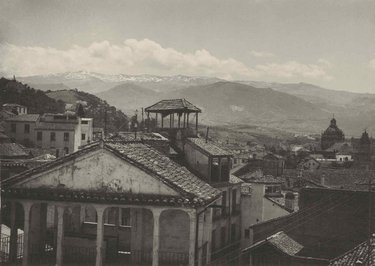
point(96, 108)
point(129, 97)
point(309, 111)
point(12, 91)
point(50, 86)
point(95, 82)
point(230, 102)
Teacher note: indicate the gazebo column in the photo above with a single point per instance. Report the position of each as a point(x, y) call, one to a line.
point(99, 235)
point(192, 236)
point(179, 120)
point(196, 123)
point(60, 235)
point(13, 233)
point(156, 237)
point(26, 230)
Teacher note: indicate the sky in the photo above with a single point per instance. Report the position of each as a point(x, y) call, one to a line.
point(330, 43)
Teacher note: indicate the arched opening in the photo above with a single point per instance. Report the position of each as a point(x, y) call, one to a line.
point(11, 245)
point(174, 237)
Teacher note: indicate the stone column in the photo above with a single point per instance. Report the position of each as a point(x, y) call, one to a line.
point(60, 235)
point(99, 235)
point(156, 237)
point(208, 230)
point(82, 215)
point(13, 233)
point(192, 237)
point(26, 229)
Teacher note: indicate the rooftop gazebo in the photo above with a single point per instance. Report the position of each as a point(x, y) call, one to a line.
point(179, 107)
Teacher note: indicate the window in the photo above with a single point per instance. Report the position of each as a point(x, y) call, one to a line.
point(66, 150)
point(53, 136)
point(39, 135)
point(84, 122)
point(13, 128)
point(66, 136)
point(110, 215)
point(224, 203)
point(233, 232)
point(223, 236)
point(234, 200)
point(125, 217)
point(27, 128)
point(215, 170)
point(247, 233)
point(213, 240)
point(83, 136)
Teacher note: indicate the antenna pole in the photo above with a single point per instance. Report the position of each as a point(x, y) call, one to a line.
point(369, 219)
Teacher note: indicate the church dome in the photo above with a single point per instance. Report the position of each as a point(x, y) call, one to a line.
point(333, 134)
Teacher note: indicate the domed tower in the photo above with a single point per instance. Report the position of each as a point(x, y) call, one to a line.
point(332, 135)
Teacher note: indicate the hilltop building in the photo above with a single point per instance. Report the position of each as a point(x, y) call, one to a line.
point(15, 108)
point(64, 133)
point(333, 134)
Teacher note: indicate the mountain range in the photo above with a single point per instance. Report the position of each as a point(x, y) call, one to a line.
point(293, 107)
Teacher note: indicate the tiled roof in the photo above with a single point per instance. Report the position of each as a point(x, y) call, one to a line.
point(209, 147)
point(24, 118)
point(284, 243)
point(11, 150)
point(359, 255)
point(353, 179)
point(3, 136)
point(264, 179)
point(234, 179)
point(345, 147)
point(194, 190)
point(130, 136)
point(56, 126)
point(173, 105)
point(171, 172)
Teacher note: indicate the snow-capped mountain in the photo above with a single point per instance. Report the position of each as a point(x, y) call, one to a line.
point(96, 82)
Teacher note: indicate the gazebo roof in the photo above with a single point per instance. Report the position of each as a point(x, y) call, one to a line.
point(173, 105)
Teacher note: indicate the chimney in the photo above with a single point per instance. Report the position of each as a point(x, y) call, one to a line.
point(290, 201)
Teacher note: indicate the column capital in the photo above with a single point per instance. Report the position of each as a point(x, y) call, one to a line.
point(156, 212)
point(100, 209)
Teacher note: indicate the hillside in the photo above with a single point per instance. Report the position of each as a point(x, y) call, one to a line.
point(95, 108)
point(229, 102)
point(129, 97)
point(96, 82)
point(226, 103)
point(37, 101)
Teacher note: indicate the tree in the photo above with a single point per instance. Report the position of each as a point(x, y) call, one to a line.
point(80, 111)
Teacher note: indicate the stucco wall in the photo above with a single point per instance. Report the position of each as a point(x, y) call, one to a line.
point(196, 159)
point(100, 170)
point(174, 231)
point(272, 210)
point(20, 134)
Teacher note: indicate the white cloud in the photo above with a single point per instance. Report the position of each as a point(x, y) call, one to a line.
point(372, 63)
point(261, 54)
point(143, 56)
point(294, 69)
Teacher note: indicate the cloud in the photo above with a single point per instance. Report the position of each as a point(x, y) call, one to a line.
point(143, 56)
point(372, 63)
point(261, 54)
point(294, 69)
